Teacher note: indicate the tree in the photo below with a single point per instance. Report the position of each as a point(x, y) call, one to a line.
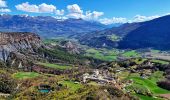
point(7, 83)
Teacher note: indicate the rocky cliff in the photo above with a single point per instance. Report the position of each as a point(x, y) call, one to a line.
point(15, 45)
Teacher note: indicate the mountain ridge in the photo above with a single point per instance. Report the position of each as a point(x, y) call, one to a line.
point(150, 34)
point(47, 26)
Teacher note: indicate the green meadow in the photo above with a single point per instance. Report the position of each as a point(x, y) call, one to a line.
point(25, 75)
point(103, 54)
point(71, 85)
point(131, 53)
point(149, 84)
point(55, 66)
point(160, 61)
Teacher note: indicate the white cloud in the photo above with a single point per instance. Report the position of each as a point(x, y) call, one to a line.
point(92, 15)
point(74, 9)
point(59, 12)
point(27, 7)
point(45, 8)
point(42, 8)
point(4, 10)
point(60, 17)
point(140, 18)
point(136, 18)
point(3, 3)
point(108, 21)
point(97, 14)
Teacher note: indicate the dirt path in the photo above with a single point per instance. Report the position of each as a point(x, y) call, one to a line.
point(165, 96)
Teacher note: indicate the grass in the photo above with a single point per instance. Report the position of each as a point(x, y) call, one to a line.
point(25, 75)
point(150, 83)
point(114, 37)
point(143, 97)
point(102, 54)
point(71, 85)
point(140, 61)
point(160, 61)
point(155, 51)
point(55, 66)
point(56, 40)
point(131, 53)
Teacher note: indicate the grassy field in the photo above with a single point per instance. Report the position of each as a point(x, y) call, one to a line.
point(142, 97)
point(56, 40)
point(131, 53)
point(71, 85)
point(155, 51)
point(55, 66)
point(114, 37)
point(160, 61)
point(103, 54)
point(25, 75)
point(148, 84)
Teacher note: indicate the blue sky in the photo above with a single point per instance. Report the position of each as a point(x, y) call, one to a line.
point(105, 11)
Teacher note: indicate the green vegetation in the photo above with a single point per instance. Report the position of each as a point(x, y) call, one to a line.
point(155, 51)
point(139, 61)
point(143, 97)
point(56, 66)
point(131, 53)
point(25, 75)
point(71, 85)
point(150, 83)
point(56, 40)
point(114, 37)
point(160, 61)
point(63, 55)
point(103, 54)
point(145, 86)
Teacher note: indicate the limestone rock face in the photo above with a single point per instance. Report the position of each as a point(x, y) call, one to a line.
point(16, 43)
point(71, 47)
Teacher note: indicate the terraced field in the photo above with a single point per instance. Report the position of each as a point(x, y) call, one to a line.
point(25, 75)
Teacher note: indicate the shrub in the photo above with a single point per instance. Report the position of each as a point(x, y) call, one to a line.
point(164, 84)
point(7, 83)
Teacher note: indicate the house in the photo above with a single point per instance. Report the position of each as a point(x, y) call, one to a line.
point(100, 77)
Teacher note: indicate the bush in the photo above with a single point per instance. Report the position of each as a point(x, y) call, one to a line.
point(115, 91)
point(164, 84)
point(7, 83)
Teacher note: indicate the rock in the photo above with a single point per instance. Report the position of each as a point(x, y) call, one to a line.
point(14, 46)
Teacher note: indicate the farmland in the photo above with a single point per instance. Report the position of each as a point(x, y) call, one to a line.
point(25, 75)
point(55, 66)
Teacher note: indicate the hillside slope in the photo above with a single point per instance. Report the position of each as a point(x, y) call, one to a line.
point(14, 47)
point(152, 34)
point(106, 38)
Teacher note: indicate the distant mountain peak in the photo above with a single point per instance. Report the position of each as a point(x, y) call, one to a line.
point(47, 26)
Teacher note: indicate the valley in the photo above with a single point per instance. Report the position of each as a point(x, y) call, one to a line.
point(85, 73)
point(44, 58)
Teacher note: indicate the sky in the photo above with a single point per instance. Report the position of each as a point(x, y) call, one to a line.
point(104, 11)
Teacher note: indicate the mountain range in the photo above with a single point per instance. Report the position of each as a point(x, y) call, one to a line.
point(47, 26)
point(150, 34)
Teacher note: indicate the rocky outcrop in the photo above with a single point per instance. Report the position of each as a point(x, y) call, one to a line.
point(71, 47)
point(14, 46)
